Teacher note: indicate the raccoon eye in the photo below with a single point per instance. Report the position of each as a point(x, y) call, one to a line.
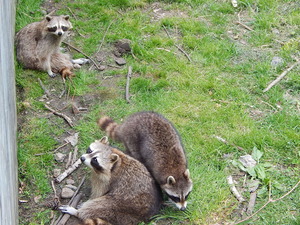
point(95, 164)
point(64, 28)
point(173, 198)
point(52, 29)
point(89, 150)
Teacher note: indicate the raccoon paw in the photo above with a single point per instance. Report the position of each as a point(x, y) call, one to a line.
point(68, 209)
point(52, 74)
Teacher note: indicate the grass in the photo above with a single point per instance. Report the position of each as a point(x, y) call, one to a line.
point(218, 93)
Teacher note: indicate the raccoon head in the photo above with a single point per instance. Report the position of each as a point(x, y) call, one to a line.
point(99, 157)
point(58, 25)
point(179, 190)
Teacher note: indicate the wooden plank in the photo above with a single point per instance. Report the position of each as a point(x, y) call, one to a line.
point(8, 118)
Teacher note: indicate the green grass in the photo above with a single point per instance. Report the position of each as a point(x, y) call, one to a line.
point(215, 94)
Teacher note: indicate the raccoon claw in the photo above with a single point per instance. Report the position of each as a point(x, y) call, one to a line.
point(68, 209)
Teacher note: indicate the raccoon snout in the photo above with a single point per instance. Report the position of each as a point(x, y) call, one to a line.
point(182, 208)
point(59, 33)
point(82, 158)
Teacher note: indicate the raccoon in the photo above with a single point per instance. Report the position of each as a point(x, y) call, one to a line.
point(37, 46)
point(123, 191)
point(153, 140)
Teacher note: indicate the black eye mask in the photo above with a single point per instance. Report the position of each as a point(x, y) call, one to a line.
point(52, 29)
point(95, 164)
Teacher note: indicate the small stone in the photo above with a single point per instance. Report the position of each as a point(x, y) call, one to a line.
point(59, 157)
point(102, 67)
point(276, 61)
point(70, 181)
point(67, 193)
point(36, 199)
point(247, 161)
point(72, 139)
point(120, 61)
point(56, 172)
point(72, 187)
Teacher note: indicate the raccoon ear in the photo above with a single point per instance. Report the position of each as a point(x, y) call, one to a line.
point(186, 174)
point(114, 158)
point(104, 140)
point(48, 18)
point(66, 17)
point(171, 180)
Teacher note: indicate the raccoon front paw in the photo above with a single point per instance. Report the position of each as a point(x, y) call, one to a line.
point(68, 209)
point(51, 74)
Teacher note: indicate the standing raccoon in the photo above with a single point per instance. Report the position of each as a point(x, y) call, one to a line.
point(38, 43)
point(152, 139)
point(123, 191)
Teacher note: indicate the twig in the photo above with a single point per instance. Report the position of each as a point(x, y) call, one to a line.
point(54, 190)
point(99, 48)
point(82, 54)
point(59, 147)
point(227, 143)
point(251, 202)
point(167, 50)
point(282, 75)
point(268, 202)
point(72, 13)
point(180, 49)
point(65, 217)
point(52, 12)
point(44, 88)
point(75, 154)
point(69, 121)
point(69, 160)
point(67, 172)
point(127, 96)
point(245, 26)
point(233, 189)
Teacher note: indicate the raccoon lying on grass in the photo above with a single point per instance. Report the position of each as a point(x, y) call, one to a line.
point(123, 191)
point(152, 139)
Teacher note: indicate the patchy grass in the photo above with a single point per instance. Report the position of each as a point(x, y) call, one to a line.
point(218, 93)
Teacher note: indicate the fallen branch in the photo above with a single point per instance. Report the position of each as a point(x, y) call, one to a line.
point(245, 26)
point(82, 54)
point(179, 48)
point(69, 121)
point(127, 96)
point(67, 172)
point(227, 143)
point(282, 75)
point(44, 88)
point(251, 203)
point(65, 217)
point(269, 201)
point(233, 189)
point(69, 160)
point(75, 155)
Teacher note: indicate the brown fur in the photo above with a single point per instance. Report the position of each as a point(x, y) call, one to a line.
point(152, 139)
point(38, 49)
point(123, 191)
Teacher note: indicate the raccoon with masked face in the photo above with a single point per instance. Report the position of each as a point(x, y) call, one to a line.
point(37, 46)
point(153, 140)
point(123, 191)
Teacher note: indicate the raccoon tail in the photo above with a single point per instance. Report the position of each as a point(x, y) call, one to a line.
point(95, 222)
point(109, 126)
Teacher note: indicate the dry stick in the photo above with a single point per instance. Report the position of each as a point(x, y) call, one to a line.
point(69, 121)
point(99, 48)
point(234, 190)
point(69, 160)
point(251, 202)
point(282, 75)
point(82, 54)
point(269, 201)
point(227, 143)
point(70, 202)
point(127, 96)
point(75, 17)
point(59, 147)
point(245, 26)
point(65, 217)
point(75, 154)
point(180, 49)
point(44, 88)
point(167, 50)
point(67, 172)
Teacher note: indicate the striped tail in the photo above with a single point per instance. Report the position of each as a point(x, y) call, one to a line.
point(95, 222)
point(109, 126)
